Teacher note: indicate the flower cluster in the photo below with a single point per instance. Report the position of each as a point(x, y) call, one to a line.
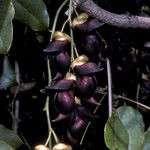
point(74, 82)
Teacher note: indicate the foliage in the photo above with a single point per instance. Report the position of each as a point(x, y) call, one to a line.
point(6, 28)
point(35, 16)
point(9, 140)
point(7, 78)
point(125, 130)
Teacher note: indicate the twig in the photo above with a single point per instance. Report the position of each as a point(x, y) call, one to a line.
point(56, 18)
point(16, 116)
point(46, 108)
point(109, 80)
point(137, 94)
point(123, 20)
point(130, 100)
point(25, 141)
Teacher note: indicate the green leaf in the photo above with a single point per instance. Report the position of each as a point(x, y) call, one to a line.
point(115, 134)
point(146, 145)
point(6, 27)
point(32, 13)
point(5, 146)
point(7, 78)
point(133, 122)
point(10, 137)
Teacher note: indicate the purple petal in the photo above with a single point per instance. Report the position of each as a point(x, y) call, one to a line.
point(90, 25)
point(62, 61)
point(85, 112)
point(71, 139)
point(91, 45)
point(65, 102)
point(92, 101)
point(61, 117)
point(77, 126)
point(61, 85)
point(56, 46)
point(58, 76)
point(85, 87)
point(87, 68)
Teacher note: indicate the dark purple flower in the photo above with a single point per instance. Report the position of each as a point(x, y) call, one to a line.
point(60, 85)
point(59, 43)
point(65, 102)
point(85, 112)
point(71, 139)
point(56, 46)
point(87, 69)
point(62, 61)
point(85, 86)
point(90, 25)
point(91, 100)
point(91, 45)
point(77, 126)
point(61, 117)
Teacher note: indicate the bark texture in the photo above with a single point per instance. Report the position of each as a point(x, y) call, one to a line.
point(118, 20)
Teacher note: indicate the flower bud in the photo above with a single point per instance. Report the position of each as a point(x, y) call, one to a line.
point(59, 43)
point(62, 146)
point(85, 87)
point(87, 69)
point(62, 61)
point(65, 102)
point(79, 61)
point(77, 126)
point(86, 24)
point(41, 147)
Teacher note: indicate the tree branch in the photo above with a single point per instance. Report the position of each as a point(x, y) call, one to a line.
point(123, 20)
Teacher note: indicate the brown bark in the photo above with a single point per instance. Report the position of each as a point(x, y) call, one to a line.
point(118, 20)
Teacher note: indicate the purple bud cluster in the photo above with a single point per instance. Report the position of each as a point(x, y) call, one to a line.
point(74, 82)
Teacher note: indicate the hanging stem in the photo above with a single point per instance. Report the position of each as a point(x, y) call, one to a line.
point(72, 51)
point(103, 41)
point(110, 105)
point(56, 18)
point(64, 24)
point(137, 94)
point(49, 136)
point(130, 100)
point(46, 108)
point(71, 32)
point(75, 10)
point(76, 52)
point(16, 116)
point(49, 72)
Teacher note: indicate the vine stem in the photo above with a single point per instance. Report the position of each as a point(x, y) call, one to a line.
point(109, 80)
point(46, 108)
point(16, 115)
point(56, 18)
point(49, 136)
point(64, 24)
point(130, 100)
point(71, 32)
point(76, 52)
point(120, 97)
point(72, 51)
point(137, 94)
point(87, 127)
